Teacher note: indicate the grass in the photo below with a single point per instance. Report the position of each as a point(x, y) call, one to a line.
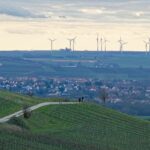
point(145, 117)
point(12, 102)
point(77, 127)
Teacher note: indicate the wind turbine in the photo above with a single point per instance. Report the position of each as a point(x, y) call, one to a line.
point(70, 43)
point(146, 46)
point(97, 40)
point(149, 43)
point(105, 44)
point(101, 41)
point(52, 43)
point(122, 43)
point(73, 43)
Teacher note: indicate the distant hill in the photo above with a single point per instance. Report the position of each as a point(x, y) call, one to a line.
point(89, 64)
point(85, 126)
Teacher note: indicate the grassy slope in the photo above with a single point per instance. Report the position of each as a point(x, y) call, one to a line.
point(145, 117)
point(12, 102)
point(78, 127)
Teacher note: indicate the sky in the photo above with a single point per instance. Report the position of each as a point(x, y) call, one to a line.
point(28, 24)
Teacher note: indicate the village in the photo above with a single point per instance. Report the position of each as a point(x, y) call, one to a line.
point(118, 90)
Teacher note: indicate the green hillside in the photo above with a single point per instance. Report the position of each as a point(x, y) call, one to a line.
point(76, 127)
point(145, 117)
point(12, 102)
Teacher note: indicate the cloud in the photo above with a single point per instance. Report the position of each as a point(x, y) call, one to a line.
point(25, 31)
point(19, 10)
point(108, 11)
point(91, 11)
point(139, 13)
point(32, 22)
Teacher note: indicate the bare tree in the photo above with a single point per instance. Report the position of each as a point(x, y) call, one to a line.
point(103, 95)
point(30, 93)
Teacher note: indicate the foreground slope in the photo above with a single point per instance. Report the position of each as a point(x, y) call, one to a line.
point(76, 127)
point(12, 102)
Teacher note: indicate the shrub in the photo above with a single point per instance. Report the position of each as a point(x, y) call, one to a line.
point(18, 122)
point(26, 112)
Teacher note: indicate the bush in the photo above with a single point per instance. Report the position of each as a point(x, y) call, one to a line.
point(18, 122)
point(26, 112)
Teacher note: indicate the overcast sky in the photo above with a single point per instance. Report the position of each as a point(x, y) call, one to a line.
point(27, 24)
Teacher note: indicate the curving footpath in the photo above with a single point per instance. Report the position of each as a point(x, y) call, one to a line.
point(20, 113)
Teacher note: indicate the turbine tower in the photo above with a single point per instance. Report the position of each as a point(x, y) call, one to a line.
point(146, 46)
point(101, 41)
point(52, 43)
point(122, 43)
point(105, 44)
point(97, 40)
point(149, 43)
point(73, 43)
point(70, 44)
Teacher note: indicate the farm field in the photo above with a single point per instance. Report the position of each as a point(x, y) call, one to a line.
point(110, 65)
point(76, 127)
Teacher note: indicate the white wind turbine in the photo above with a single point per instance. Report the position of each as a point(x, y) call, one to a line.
point(105, 44)
point(70, 44)
point(97, 42)
point(52, 43)
point(122, 43)
point(149, 43)
point(73, 43)
point(146, 46)
point(101, 42)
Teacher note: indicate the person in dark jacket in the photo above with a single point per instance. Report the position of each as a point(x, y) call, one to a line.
point(82, 99)
point(79, 100)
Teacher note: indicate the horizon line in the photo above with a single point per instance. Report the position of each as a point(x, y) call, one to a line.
point(29, 50)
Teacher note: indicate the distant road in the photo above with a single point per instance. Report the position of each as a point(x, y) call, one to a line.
point(20, 113)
